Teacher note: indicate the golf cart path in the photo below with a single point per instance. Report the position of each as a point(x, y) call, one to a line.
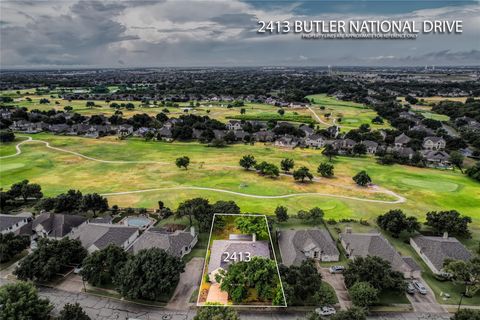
point(399, 198)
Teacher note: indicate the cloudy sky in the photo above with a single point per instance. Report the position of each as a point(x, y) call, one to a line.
point(77, 33)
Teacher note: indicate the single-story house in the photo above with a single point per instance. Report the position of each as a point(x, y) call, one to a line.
point(298, 245)
point(236, 248)
point(176, 243)
point(96, 236)
point(374, 244)
point(286, 142)
point(436, 158)
point(14, 223)
point(435, 250)
point(371, 146)
point(55, 225)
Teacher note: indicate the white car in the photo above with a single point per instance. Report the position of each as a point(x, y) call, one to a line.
point(325, 311)
point(77, 270)
point(420, 287)
point(337, 269)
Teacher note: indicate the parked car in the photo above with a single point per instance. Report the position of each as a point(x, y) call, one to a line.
point(325, 311)
point(77, 270)
point(420, 287)
point(410, 288)
point(337, 269)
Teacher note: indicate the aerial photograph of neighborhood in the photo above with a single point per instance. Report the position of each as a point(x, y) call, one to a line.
point(238, 159)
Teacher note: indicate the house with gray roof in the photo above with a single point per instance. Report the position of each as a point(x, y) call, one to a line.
point(434, 143)
point(436, 158)
point(371, 146)
point(298, 245)
point(96, 236)
point(177, 243)
point(374, 244)
point(402, 140)
point(14, 223)
point(435, 250)
point(235, 249)
point(315, 140)
point(56, 225)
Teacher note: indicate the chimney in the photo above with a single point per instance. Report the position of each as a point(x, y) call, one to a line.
point(348, 230)
point(445, 235)
point(192, 231)
point(254, 237)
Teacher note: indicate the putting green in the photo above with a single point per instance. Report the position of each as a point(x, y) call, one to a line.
point(437, 186)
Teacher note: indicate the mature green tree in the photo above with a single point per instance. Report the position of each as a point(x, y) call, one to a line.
point(100, 267)
point(90, 104)
point(325, 169)
point(374, 270)
point(363, 294)
point(465, 272)
point(329, 151)
point(287, 164)
point(197, 208)
point(229, 207)
point(5, 198)
point(11, 245)
point(313, 215)
point(242, 111)
point(49, 259)
point(281, 112)
point(216, 313)
point(182, 162)
point(26, 190)
point(6, 136)
point(72, 312)
point(20, 301)
point(248, 161)
point(258, 273)
point(149, 275)
point(302, 173)
point(466, 314)
point(395, 222)
point(95, 203)
point(303, 285)
point(456, 158)
point(281, 213)
point(449, 221)
point(252, 224)
point(267, 169)
point(362, 178)
point(474, 171)
point(359, 149)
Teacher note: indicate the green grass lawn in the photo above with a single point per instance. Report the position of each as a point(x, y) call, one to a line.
point(424, 189)
point(352, 114)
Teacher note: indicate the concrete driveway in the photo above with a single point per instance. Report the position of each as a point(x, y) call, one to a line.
point(425, 303)
point(336, 281)
point(189, 281)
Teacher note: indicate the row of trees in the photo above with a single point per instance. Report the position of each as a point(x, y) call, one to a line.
point(150, 274)
point(73, 201)
point(303, 173)
point(395, 222)
point(23, 190)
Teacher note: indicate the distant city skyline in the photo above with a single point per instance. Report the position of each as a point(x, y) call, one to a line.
point(125, 34)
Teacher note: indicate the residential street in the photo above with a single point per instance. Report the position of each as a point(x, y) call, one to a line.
point(425, 303)
point(189, 281)
point(336, 281)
